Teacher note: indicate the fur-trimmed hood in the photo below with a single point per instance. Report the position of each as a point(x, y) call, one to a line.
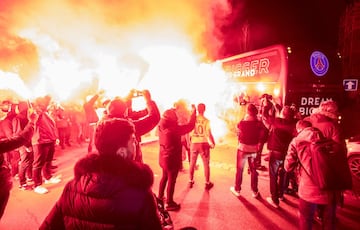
point(330, 115)
point(327, 108)
point(95, 170)
point(108, 192)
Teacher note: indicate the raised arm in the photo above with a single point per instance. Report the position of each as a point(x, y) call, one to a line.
point(21, 138)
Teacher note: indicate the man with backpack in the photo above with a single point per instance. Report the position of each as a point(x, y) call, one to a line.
point(324, 126)
point(325, 118)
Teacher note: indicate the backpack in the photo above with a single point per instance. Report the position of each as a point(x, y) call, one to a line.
point(329, 168)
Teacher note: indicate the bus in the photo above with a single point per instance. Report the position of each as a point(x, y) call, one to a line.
point(302, 78)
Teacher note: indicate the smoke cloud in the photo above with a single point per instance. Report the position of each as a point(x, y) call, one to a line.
point(87, 28)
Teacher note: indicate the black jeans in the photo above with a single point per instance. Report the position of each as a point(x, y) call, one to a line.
point(168, 177)
point(43, 154)
point(12, 159)
point(307, 212)
point(26, 163)
point(62, 136)
point(5, 185)
point(259, 155)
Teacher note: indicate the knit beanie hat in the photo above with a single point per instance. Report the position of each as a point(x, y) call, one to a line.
point(252, 110)
point(117, 108)
point(111, 134)
point(328, 108)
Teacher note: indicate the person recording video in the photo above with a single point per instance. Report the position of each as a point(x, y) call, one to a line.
point(144, 120)
point(8, 144)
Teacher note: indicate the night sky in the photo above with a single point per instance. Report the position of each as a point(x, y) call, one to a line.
point(294, 23)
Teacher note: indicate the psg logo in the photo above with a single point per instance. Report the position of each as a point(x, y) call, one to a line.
point(319, 63)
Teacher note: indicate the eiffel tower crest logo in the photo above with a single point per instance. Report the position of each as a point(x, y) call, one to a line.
point(319, 63)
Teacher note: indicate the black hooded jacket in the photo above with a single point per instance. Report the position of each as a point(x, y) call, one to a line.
point(170, 133)
point(107, 192)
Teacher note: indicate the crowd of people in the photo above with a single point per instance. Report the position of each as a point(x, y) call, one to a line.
point(119, 196)
point(284, 132)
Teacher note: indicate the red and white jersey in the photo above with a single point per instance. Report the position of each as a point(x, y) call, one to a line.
point(201, 131)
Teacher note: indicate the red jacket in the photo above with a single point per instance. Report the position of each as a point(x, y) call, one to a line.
point(90, 110)
point(8, 144)
point(308, 190)
point(45, 130)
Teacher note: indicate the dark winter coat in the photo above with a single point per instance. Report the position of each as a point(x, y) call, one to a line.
point(251, 133)
point(282, 131)
point(108, 192)
point(170, 132)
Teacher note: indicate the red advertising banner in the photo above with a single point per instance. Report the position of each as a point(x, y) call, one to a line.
point(263, 65)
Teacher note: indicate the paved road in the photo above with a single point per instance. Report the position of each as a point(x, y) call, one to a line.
point(206, 210)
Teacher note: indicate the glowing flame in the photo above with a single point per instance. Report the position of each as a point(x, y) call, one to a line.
point(261, 87)
point(12, 87)
point(85, 46)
